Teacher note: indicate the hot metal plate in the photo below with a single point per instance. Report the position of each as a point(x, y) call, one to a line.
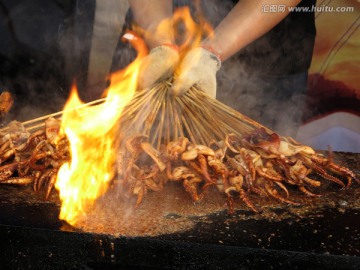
point(169, 231)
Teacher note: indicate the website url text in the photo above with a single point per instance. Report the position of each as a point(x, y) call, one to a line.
point(283, 8)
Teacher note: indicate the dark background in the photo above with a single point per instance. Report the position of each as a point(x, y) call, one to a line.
point(44, 49)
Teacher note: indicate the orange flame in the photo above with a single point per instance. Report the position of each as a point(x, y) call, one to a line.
point(194, 32)
point(91, 130)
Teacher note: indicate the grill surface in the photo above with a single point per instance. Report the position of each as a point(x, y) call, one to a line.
point(169, 231)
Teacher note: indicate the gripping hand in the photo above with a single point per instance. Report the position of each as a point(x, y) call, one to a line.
point(158, 65)
point(199, 67)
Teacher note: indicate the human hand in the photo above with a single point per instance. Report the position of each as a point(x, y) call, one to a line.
point(158, 64)
point(198, 67)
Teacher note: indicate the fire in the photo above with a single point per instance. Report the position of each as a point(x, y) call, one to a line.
point(91, 131)
point(194, 33)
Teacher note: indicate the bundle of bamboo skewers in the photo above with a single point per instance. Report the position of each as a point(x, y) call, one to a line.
point(163, 117)
point(202, 143)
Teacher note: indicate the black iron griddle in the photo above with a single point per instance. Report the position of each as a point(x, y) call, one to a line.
point(323, 233)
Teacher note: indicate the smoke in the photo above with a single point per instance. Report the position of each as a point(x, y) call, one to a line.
point(267, 79)
point(52, 51)
point(50, 43)
point(277, 103)
point(255, 81)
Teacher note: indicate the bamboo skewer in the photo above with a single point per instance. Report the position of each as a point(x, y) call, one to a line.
point(60, 113)
point(37, 123)
point(156, 113)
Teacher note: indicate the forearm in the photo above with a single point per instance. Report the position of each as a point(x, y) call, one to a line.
point(154, 16)
point(244, 24)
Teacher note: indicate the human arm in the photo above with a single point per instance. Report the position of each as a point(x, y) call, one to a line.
point(154, 18)
point(246, 22)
